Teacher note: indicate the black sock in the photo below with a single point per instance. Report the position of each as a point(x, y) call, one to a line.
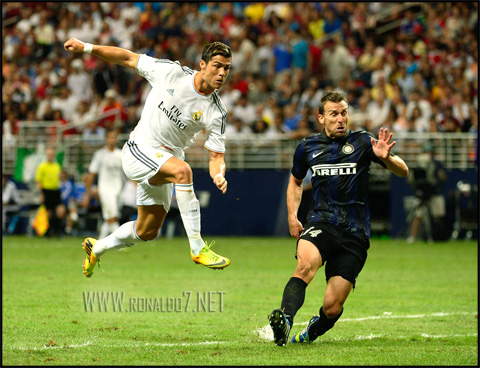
point(293, 297)
point(322, 325)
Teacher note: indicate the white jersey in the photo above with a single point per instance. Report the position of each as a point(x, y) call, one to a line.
point(175, 111)
point(108, 166)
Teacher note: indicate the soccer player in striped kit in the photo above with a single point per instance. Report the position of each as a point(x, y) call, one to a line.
point(182, 102)
point(337, 231)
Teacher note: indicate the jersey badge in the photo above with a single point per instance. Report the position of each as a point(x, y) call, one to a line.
point(197, 115)
point(159, 155)
point(347, 149)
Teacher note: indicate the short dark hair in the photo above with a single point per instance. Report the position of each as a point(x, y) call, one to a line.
point(332, 97)
point(216, 48)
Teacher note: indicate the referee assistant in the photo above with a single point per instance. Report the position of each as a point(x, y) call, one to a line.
point(47, 178)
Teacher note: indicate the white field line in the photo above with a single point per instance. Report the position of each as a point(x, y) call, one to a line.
point(266, 332)
point(89, 343)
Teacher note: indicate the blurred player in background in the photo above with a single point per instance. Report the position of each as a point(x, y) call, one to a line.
point(182, 102)
point(107, 164)
point(338, 228)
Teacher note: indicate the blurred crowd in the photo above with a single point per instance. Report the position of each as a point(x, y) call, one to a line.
point(413, 69)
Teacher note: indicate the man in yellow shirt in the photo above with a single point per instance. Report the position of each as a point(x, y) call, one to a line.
point(47, 178)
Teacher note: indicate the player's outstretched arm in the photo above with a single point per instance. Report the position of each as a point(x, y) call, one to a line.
point(382, 149)
point(217, 170)
point(110, 54)
point(294, 197)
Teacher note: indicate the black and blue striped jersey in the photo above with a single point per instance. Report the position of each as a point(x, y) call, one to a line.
point(339, 168)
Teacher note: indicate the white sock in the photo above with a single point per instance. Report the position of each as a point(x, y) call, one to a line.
point(124, 236)
point(104, 230)
point(112, 227)
point(190, 211)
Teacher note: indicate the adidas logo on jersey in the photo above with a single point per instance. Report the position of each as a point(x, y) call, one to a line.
point(170, 91)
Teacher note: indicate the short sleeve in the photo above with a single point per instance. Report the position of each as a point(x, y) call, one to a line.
point(95, 164)
point(300, 165)
point(154, 70)
point(215, 141)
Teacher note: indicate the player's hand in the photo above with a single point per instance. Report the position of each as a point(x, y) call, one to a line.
point(382, 147)
point(221, 183)
point(296, 228)
point(74, 45)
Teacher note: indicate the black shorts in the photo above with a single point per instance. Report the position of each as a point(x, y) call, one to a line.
point(343, 253)
point(52, 198)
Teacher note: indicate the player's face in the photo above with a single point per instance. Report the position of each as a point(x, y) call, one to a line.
point(335, 119)
point(216, 71)
point(111, 139)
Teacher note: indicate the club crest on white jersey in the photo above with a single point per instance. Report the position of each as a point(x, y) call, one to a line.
point(197, 115)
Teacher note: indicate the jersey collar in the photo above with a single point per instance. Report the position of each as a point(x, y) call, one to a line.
point(324, 135)
point(196, 90)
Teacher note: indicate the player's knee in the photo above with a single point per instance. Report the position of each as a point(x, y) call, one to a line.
point(147, 234)
point(332, 309)
point(183, 173)
point(305, 270)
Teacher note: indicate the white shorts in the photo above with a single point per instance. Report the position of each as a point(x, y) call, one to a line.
point(110, 202)
point(142, 162)
point(436, 205)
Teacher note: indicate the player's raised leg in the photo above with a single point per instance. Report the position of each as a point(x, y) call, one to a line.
point(179, 172)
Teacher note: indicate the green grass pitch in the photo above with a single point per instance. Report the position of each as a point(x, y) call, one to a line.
point(414, 304)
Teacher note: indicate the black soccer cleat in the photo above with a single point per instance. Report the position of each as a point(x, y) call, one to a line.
point(280, 326)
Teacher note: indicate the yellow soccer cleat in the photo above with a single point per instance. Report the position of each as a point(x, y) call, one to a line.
point(90, 260)
point(210, 259)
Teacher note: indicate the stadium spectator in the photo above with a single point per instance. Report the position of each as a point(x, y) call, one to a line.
point(93, 134)
point(237, 129)
point(336, 60)
point(360, 116)
point(291, 117)
point(79, 82)
point(44, 34)
point(332, 22)
point(10, 201)
point(244, 110)
point(103, 77)
point(341, 241)
point(301, 131)
point(112, 104)
point(378, 110)
point(163, 167)
point(316, 25)
point(417, 100)
point(281, 61)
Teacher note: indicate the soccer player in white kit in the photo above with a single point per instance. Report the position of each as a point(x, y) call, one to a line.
point(182, 102)
point(107, 164)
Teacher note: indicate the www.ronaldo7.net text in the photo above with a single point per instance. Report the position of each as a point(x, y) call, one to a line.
point(189, 301)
